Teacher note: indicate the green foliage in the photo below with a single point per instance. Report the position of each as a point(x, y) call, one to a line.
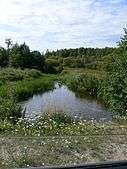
point(117, 84)
point(123, 42)
point(83, 83)
point(110, 88)
point(59, 118)
point(4, 58)
point(36, 60)
point(77, 58)
point(58, 125)
point(9, 109)
point(19, 90)
point(48, 68)
point(25, 89)
point(19, 55)
point(53, 62)
point(11, 74)
point(18, 85)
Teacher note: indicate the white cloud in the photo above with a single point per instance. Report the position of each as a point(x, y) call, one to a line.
point(56, 24)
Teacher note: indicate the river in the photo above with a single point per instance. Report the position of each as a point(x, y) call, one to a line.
point(63, 100)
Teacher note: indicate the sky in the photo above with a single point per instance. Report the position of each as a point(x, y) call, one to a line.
point(56, 24)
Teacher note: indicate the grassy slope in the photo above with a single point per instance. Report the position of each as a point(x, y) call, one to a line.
point(24, 83)
point(18, 85)
point(26, 88)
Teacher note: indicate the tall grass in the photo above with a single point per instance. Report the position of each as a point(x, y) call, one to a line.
point(11, 74)
point(25, 89)
point(104, 88)
point(18, 87)
point(83, 83)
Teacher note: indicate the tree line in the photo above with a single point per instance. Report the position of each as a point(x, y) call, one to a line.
point(77, 58)
point(20, 56)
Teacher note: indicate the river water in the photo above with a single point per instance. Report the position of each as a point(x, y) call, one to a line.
point(63, 100)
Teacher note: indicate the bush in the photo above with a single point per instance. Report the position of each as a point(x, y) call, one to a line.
point(9, 110)
point(116, 85)
point(111, 89)
point(83, 83)
point(11, 74)
point(25, 89)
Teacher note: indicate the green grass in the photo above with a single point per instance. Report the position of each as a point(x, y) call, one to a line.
point(58, 124)
point(15, 89)
point(26, 89)
point(107, 88)
point(83, 83)
point(78, 71)
point(11, 74)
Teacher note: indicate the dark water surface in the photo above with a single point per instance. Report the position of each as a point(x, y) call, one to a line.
point(61, 99)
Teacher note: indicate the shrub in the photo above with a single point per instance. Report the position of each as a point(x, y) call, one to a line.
point(9, 110)
point(11, 74)
point(83, 83)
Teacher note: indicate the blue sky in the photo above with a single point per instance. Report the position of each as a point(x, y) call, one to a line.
point(55, 24)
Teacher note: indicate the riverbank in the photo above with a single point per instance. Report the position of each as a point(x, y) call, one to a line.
point(60, 140)
point(53, 124)
point(17, 85)
point(101, 85)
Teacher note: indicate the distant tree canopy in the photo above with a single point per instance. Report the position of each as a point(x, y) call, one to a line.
point(77, 58)
point(80, 52)
point(19, 56)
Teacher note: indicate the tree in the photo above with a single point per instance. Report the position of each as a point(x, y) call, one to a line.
point(15, 59)
point(8, 43)
point(123, 42)
point(20, 56)
point(37, 60)
point(4, 58)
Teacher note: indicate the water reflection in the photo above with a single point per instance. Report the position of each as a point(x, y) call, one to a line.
point(61, 99)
